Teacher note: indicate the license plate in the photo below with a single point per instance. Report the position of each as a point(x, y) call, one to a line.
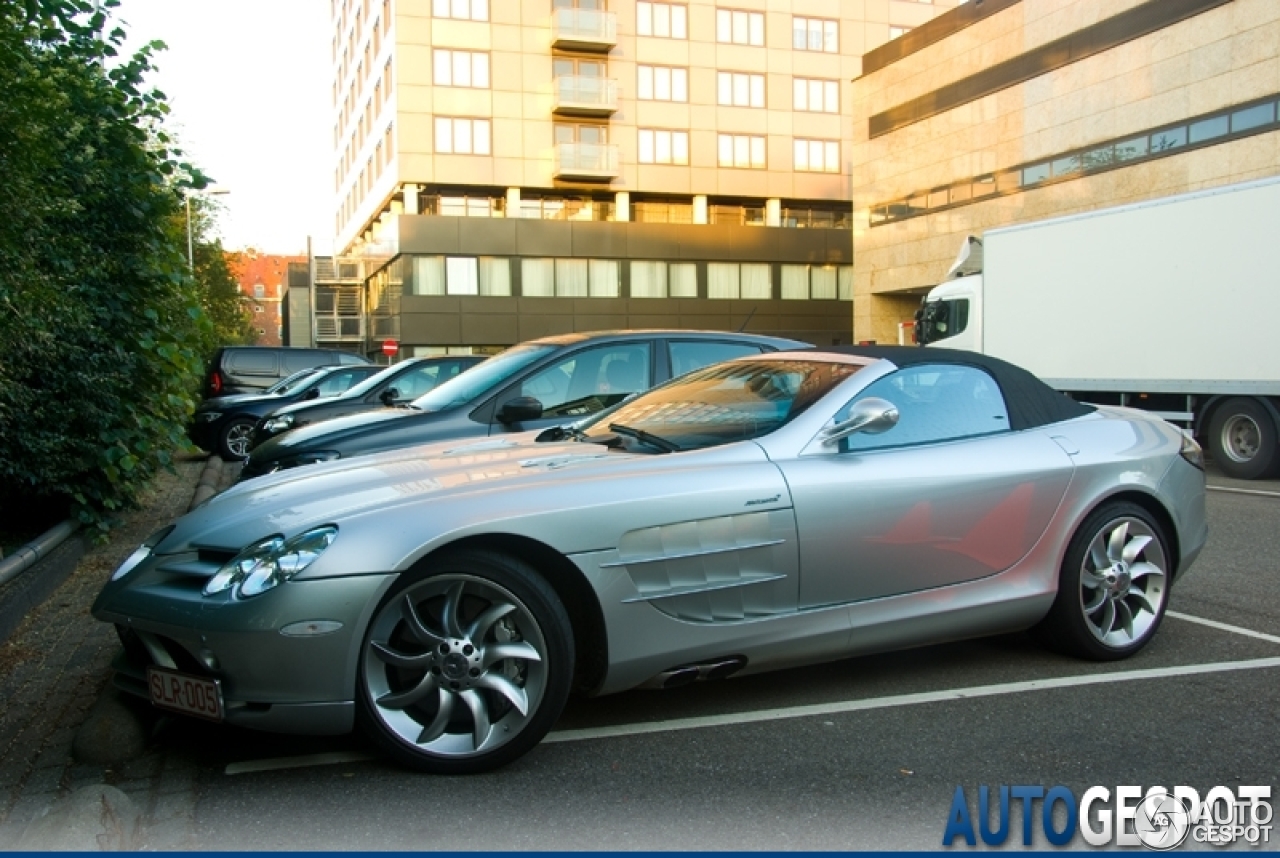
point(182, 692)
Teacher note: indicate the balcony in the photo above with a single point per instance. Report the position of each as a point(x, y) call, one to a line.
point(590, 161)
point(576, 95)
point(584, 30)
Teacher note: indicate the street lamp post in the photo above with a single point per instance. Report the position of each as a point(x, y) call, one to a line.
point(210, 191)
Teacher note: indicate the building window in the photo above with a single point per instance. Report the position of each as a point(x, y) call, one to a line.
point(816, 96)
point(817, 156)
point(740, 89)
point(739, 28)
point(895, 32)
point(663, 147)
point(650, 211)
point(259, 291)
point(733, 280)
point(819, 282)
point(815, 34)
point(1235, 122)
point(466, 10)
point(257, 309)
point(570, 278)
point(664, 279)
point(461, 68)
point(462, 136)
point(659, 83)
point(668, 20)
point(461, 275)
point(567, 132)
point(741, 150)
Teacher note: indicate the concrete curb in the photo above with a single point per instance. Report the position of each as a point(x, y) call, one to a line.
point(207, 485)
point(33, 552)
point(34, 571)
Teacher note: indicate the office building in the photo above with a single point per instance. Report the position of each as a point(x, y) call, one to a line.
point(1011, 111)
point(507, 169)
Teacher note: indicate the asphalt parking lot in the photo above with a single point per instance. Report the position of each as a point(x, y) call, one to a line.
point(859, 754)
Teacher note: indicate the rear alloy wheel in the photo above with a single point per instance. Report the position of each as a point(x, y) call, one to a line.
point(233, 443)
point(1113, 587)
point(1242, 439)
point(467, 667)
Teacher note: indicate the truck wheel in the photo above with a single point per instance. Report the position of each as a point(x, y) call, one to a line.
point(1242, 439)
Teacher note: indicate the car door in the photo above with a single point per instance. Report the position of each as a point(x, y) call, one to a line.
point(580, 383)
point(947, 495)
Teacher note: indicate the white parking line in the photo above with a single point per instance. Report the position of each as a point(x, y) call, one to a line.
point(972, 692)
point(905, 700)
point(1214, 624)
point(1236, 491)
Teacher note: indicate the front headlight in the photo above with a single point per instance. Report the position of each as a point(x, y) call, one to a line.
point(270, 562)
point(277, 425)
point(142, 552)
point(208, 416)
point(1191, 451)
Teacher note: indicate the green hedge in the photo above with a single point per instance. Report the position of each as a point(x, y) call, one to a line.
point(101, 326)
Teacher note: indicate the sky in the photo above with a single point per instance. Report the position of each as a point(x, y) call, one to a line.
point(248, 85)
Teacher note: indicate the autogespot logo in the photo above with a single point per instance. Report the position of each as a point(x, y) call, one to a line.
point(1159, 819)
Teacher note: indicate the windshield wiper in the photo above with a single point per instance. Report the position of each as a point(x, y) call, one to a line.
point(645, 437)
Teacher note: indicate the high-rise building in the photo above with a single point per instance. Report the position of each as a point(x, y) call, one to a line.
point(512, 168)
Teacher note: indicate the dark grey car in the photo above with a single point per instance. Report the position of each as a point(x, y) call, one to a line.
point(533, 385)
point(399, 384)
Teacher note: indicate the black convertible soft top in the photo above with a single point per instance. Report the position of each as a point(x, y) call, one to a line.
point(1031, 402)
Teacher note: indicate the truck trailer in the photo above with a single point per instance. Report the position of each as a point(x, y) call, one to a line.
point(1170, 305)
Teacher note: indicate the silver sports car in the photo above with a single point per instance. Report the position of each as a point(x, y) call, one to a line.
point(770, 511)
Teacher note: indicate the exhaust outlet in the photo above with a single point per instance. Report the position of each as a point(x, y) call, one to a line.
point(684, 674)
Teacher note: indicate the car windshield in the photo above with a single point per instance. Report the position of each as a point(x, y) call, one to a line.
point(372, 381)
point(478, 381)
point(722, 403)
point(291, 383)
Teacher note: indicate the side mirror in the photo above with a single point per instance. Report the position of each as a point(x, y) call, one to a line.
point(389, 396)
point(313, 393)
point(520, 410)
point(871, 415)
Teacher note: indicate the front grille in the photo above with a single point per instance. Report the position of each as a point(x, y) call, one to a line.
point(138, 648)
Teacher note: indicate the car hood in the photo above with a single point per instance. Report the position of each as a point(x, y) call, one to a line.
point(222, 403)
point(337, 429)
point(289, 501)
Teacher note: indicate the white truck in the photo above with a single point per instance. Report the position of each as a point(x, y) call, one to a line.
point(1171, 305)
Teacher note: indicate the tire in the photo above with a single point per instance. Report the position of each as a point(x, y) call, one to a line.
point(1113, 587)
point(445, 696)
point(1242, 439)
point(233, 441)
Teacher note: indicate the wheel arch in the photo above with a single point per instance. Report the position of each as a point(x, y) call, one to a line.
point(1156, 508)
point(591, 644)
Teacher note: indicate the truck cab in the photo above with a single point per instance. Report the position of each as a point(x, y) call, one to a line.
point(951, 315)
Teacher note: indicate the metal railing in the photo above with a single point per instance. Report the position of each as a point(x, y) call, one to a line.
point(584, 27)
point(579, 94)
point(589, 160)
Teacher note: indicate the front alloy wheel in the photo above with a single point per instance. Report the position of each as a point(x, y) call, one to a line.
point(468, 668)
point(1113, 587)
point(236, 437)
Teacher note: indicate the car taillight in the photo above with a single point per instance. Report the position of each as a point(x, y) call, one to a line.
point(215, 382)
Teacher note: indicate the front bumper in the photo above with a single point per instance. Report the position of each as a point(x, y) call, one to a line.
point(295, 683)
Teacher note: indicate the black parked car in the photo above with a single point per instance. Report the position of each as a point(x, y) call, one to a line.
point(223, 424)
point(541, 383)
point(255, 369)
point(395, 385)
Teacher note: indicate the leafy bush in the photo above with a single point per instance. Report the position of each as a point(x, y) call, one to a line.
point(101, 325)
